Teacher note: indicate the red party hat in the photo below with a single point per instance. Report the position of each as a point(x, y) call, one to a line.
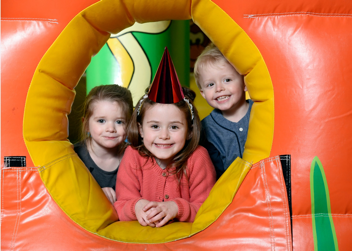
point(166, 88)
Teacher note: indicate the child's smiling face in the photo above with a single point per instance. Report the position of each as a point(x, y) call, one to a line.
point(107, 124)
point(164, 131)
point(222, 86)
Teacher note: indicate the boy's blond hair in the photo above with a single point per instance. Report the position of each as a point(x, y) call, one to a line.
point(210, 55)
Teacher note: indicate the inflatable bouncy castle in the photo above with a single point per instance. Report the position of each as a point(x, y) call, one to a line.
point(291, 189)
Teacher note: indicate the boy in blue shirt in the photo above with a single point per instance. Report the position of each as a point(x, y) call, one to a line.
point(224, 130)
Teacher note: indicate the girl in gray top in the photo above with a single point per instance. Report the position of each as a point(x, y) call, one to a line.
point(107, 111)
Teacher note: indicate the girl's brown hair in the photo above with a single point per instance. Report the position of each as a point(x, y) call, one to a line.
point(113, 93)
point(193, 126)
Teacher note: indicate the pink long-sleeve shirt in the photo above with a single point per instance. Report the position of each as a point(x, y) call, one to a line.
point(142, 178)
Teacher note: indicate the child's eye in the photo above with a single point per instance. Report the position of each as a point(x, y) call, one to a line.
point(227, 80)
point(101, 121)
point(154, 126)
point(174, 127)
point(120, 122)
point(210, 85)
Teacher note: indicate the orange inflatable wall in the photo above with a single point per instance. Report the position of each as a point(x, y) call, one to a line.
point(306, 50)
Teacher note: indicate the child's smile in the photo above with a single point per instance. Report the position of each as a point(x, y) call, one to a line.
point(164, 131)
point(222, 98)
point(163, 145)
point(222, 87)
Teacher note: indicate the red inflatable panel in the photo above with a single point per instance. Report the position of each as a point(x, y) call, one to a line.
point(31, 220)
point(27, 31)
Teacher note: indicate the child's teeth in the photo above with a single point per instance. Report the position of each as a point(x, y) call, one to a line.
point(223, 97)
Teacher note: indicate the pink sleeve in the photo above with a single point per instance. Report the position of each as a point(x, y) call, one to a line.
point(202, 177)
point(127, 187)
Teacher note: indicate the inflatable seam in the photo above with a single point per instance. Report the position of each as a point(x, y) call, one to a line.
point(43, 168)
point(127, 12)
point(267, 160)
point(283, 194)
point(93, 26)
point(284, 14)
point(268, 202)
point(19, 208)
point(322, 215)
point(54, 78)
point(9, 19)
point(21, 169)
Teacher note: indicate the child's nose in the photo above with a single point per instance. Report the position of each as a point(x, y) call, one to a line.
point(219, 87)
point(110, 127)
point(164, 133)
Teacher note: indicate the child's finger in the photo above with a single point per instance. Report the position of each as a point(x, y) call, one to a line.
point(152, 213)
point(142, 222)
point(150, 205)
point(149, 223)
point(113, 195)
point(110, 194)
point(157, 217)
point(163, 221)
point(109, 197)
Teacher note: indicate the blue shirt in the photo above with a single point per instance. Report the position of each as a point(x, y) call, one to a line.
point(224, 139)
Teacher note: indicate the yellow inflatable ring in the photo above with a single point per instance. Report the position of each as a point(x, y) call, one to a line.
point(52, 92)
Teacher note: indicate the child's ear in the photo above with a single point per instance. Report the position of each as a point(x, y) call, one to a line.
point(202, 93)
point(140, 129)
point(245, 88)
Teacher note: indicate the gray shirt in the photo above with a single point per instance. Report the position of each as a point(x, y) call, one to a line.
point(224, 139)
point(104, 178)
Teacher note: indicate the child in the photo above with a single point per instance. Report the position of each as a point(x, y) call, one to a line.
point(224, 131)
point(164, 174)
point(107, 110)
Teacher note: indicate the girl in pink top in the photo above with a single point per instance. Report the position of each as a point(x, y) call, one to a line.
point(164, 175)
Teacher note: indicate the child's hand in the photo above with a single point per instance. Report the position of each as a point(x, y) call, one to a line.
point(160, 213)
point(110, 194)
point(141, 214)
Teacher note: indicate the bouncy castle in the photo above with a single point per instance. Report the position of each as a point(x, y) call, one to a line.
point(291, 189)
